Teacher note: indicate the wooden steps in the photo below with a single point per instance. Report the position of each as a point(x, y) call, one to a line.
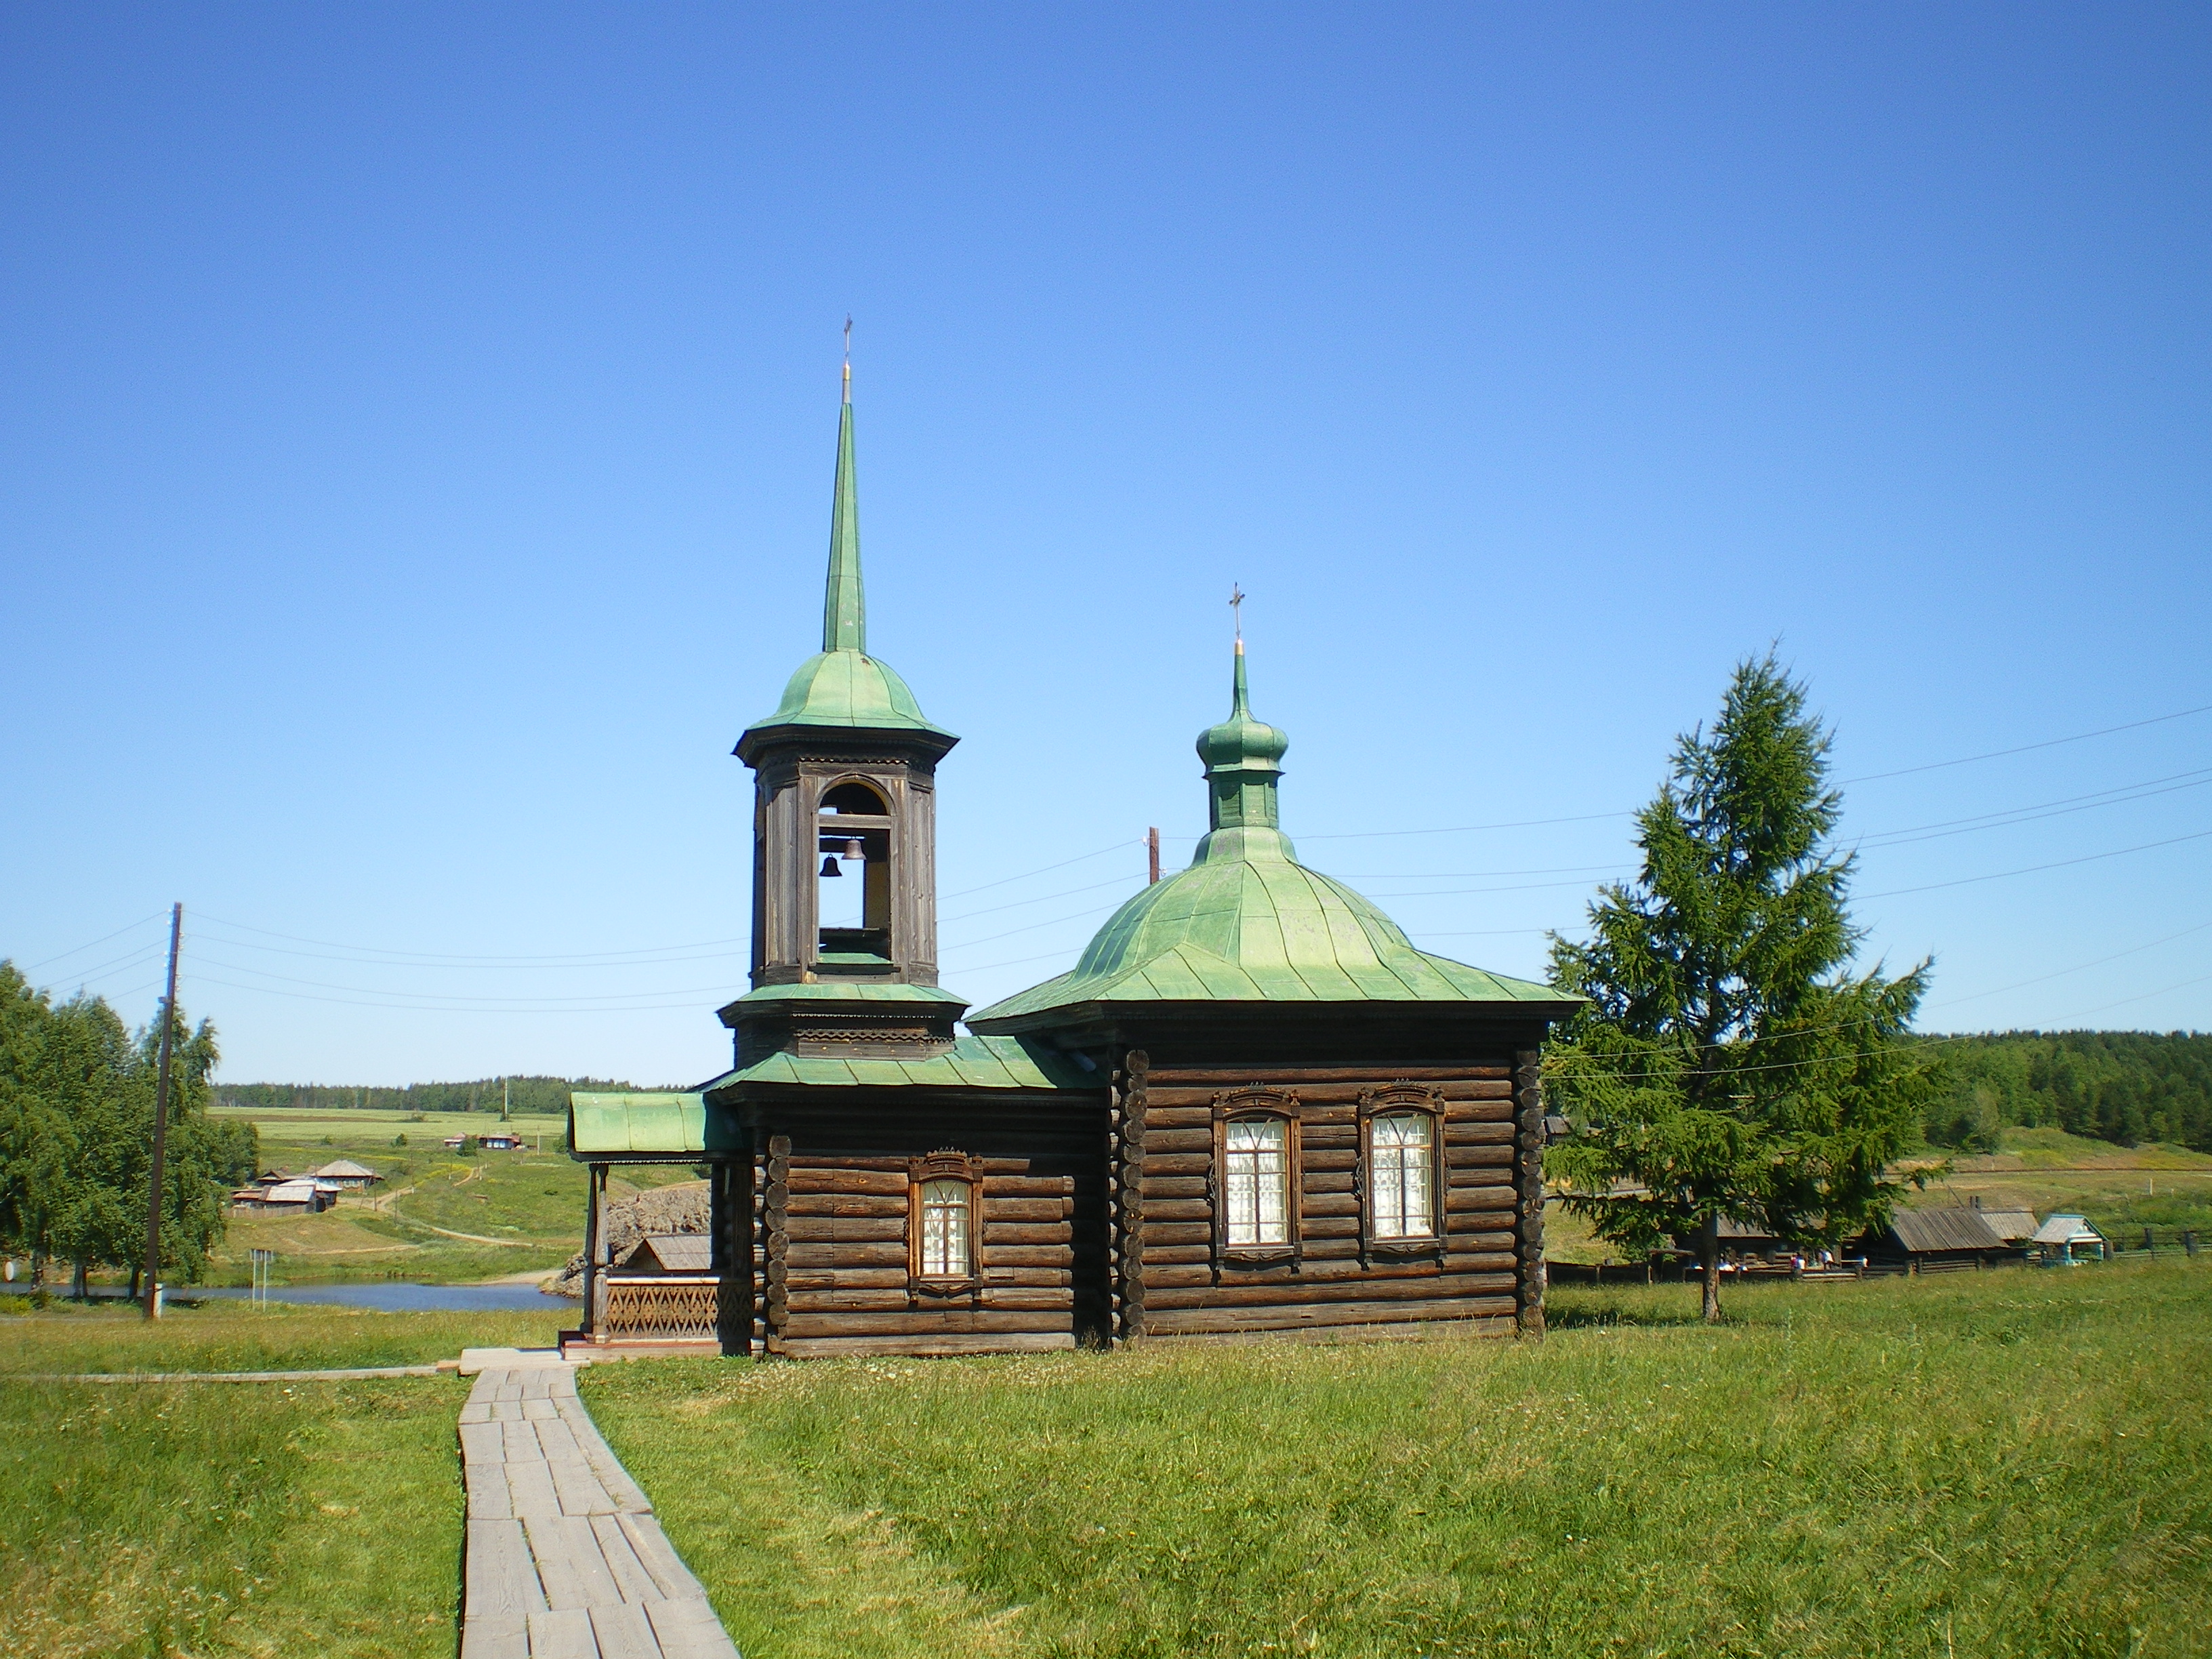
point(565, 1559)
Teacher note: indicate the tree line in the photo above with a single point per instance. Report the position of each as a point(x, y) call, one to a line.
point(76, 1128)
point(526, 1094)
point(2126, 1086)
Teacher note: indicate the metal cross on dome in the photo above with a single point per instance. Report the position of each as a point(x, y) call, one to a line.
point(1236, 611)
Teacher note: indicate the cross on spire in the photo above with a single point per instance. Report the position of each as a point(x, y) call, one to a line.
point(848, 359)
point(1236, 612)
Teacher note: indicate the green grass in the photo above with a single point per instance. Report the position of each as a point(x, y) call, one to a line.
point(250, 1519)
point(2008, 1463)
point(222, 1336)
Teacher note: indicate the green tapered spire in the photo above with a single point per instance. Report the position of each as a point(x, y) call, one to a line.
point(844, 607)
point(840, 685)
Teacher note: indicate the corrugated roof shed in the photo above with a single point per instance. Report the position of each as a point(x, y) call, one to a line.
point(2011, 1225)
point(345, 1169)
point(1959, 1229)
point(2067, 1230)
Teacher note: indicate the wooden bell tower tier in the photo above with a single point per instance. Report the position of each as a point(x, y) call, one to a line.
point(844, 790)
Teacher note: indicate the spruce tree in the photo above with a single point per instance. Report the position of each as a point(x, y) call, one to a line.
point(1730, 1063)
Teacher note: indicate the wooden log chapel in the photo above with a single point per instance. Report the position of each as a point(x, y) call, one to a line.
point(1251, 1106)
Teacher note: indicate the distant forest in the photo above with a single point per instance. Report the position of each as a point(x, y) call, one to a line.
point(529, 1094)
point(2126, 1086)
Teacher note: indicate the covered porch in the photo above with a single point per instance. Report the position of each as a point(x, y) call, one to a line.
point(665, 1293)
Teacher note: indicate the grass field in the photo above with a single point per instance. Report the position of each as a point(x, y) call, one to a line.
point(255, 1519)
point(224, 1336)
point(2009, 1463)
point(249, 1519)
point(437, 1218)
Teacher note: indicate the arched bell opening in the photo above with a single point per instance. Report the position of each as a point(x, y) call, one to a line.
point(853, 885)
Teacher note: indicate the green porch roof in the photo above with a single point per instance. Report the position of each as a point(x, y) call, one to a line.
point(973, 1063)
point(619, 1124)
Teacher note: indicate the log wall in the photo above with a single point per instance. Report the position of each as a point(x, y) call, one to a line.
point(1174, 1278)
point(834, 1241)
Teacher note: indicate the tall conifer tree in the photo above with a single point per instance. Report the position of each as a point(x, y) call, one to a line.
point(1730, 1063)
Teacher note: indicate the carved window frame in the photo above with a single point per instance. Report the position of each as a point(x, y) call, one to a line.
point(1383, 1103)
point(945, 1164)
point(1258, 1101)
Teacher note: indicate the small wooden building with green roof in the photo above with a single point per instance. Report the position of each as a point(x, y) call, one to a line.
point(1252, 1104)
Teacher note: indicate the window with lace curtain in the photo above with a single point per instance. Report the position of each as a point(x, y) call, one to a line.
point(1401, 1167)
point(945, 1229)
point(1257, 1181)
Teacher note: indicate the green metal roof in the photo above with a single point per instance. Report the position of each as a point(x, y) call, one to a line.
point(840, 685)
point(1248, 922)
point(604, 1124)
point(973, 1063)
point(845, 990)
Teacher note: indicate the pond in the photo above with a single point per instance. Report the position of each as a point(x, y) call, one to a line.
point(404, 1298)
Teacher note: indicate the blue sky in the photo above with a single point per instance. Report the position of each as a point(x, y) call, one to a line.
point(418, 425)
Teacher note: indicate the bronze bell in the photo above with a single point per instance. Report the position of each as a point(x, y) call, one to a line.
point(829, 865)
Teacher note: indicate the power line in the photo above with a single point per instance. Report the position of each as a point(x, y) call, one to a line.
point(1041, 898)
point(141, 923)
point(1045, 870)
point(2126, 796)
point(2133, 950)
point(636, 959)
point(2048, 743)
point(579, 957)
point(1096, 910)
point(2029, 869)
point(456, 999)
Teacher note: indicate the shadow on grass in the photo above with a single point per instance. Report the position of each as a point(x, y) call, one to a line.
point(1586, 1313)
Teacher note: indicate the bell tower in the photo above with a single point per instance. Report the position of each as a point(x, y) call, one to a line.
point(844, 835)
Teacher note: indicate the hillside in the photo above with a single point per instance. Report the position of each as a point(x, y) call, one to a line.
point(2131, 1087)
point(530, 1094)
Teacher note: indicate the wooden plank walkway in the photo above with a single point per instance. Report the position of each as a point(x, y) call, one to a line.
point(565, 1559)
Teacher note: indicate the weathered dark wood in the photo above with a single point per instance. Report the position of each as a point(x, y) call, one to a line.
point(803, 1203)
point(1032, 1256)
point(1158, 1165)
point(1529, 1080)
point(776, 1218)
point(942, 1347)
point(1307, 1289)
point(886, 1183)
point(1132, 1230)
point(841, 1255)
point(1171, 1105)
point(1231, 1078)
point(1016, 1186)
point(1027, 1209)
point(859, 1230)
point(946, 1321)
point(997, 1233)
point(1177, 1321)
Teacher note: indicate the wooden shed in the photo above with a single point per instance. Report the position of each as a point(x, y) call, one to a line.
point(1253, 1105)
point(1942, 1239)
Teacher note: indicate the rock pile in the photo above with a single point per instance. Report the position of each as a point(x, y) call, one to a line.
point(681, 1208)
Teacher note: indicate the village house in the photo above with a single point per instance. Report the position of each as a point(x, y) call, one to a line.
point(1948, 1238)
point(347, 1175)
point(1252, 1104)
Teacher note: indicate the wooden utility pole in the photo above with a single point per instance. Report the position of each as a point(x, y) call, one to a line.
point(161, 1123)
point(1152, 851)
point(506, 1099)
